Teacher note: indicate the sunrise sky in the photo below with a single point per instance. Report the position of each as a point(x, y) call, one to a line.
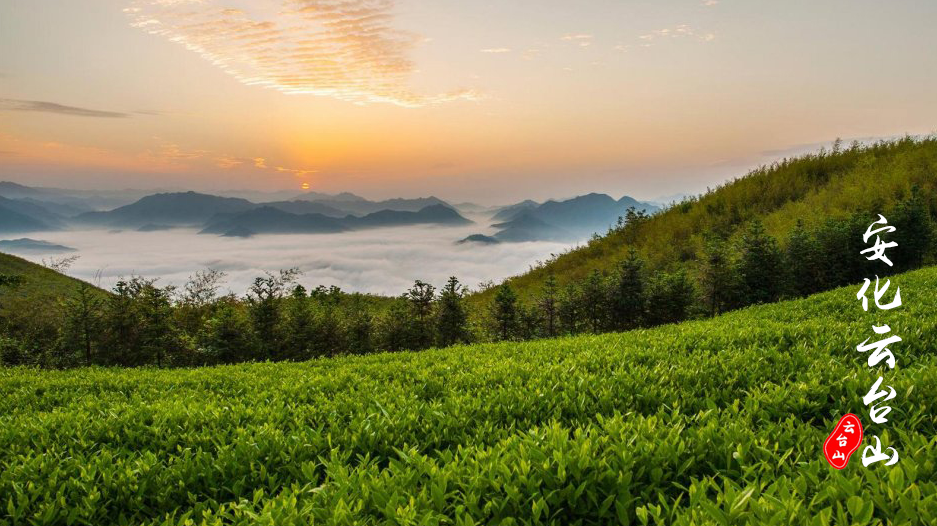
point(467, 100)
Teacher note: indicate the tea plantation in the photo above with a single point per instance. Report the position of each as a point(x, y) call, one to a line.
point(711, 422)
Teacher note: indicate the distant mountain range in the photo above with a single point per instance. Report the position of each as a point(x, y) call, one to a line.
point(507, 213)
point(355, 205)
point(26, 209)
point(24, 215)
point(32, 246)
point(175, 209)
point(270, 220)
point(565, 221)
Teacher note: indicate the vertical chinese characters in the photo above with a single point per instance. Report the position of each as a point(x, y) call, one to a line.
point(878, 350)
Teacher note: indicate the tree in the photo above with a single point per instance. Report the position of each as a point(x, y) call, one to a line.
point(299, 331)
point(568, 309)
point(528, 322)
point(914, 231)
point(394, 326)
point(593, 301)
point(197, 298)
point(264, 303)
point(227, 335)
point(451, 317)
point(122, 326)
point(629, 224)
point(802, 261)
point(504, 313)
point(421, 297)
point(760, 266)
point(360, 327)
point(329, 334)
point(669, 297)
point(628, 295)
point(158, 333)
point(548, 304)
point(82, 322)
point(716, 276)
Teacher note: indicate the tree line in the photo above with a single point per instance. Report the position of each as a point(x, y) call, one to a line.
point(141, 323)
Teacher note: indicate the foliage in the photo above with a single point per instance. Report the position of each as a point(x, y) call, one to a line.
point(829, 185)
point(718, 421)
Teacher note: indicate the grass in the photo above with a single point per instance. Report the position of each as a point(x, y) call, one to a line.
point(719, 421)
point(40, 285)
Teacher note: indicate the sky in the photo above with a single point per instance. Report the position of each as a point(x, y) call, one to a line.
point(469, 101)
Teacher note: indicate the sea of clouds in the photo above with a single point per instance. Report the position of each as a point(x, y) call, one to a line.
point(381, 261)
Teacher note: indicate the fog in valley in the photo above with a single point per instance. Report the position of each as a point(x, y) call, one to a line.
point(380, 261)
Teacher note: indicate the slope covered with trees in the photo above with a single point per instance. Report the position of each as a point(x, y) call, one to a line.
point(810, 205)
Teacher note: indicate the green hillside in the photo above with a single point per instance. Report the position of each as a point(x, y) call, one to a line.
point(707, 422)
point(812, 188)
point(38, 282)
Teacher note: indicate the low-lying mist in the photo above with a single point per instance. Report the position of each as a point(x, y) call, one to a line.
point(381, 261)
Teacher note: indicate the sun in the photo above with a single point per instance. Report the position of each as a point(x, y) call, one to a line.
point(304, 186)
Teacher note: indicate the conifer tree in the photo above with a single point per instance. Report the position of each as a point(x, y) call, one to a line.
point(628, 294)
point(451, 316)
point(504, 312)
point(760, 266)
point(548, 304)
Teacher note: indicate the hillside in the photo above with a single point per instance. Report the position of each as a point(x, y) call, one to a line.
point(710, 422)
point(37, 294)
point(812, 188)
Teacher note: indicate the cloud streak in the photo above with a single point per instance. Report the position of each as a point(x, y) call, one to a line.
point(679, 31)
point(345, 49)
point(59, 109)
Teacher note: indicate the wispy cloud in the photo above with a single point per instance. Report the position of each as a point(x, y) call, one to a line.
point(53, 107)
point(346, 49)
point(580, 39)
point(679, 31)
point(496, 50)
point(709, 3)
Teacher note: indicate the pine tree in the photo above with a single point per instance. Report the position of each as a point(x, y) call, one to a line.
point(299, 332)
point(717, 280)
point(227, 335)
point(359, 337)
point(548, 303)
point(158, 335)
point(669, 297)
point(394, 327)
point(504, 312)
point(528, 322)
point(421, 297)
point(628, 295)
point(760, 266)
point(594, 301)
point(329, 336)
point(451, 317)
point(569, 310)
point(82, 322)
point(802, 259)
